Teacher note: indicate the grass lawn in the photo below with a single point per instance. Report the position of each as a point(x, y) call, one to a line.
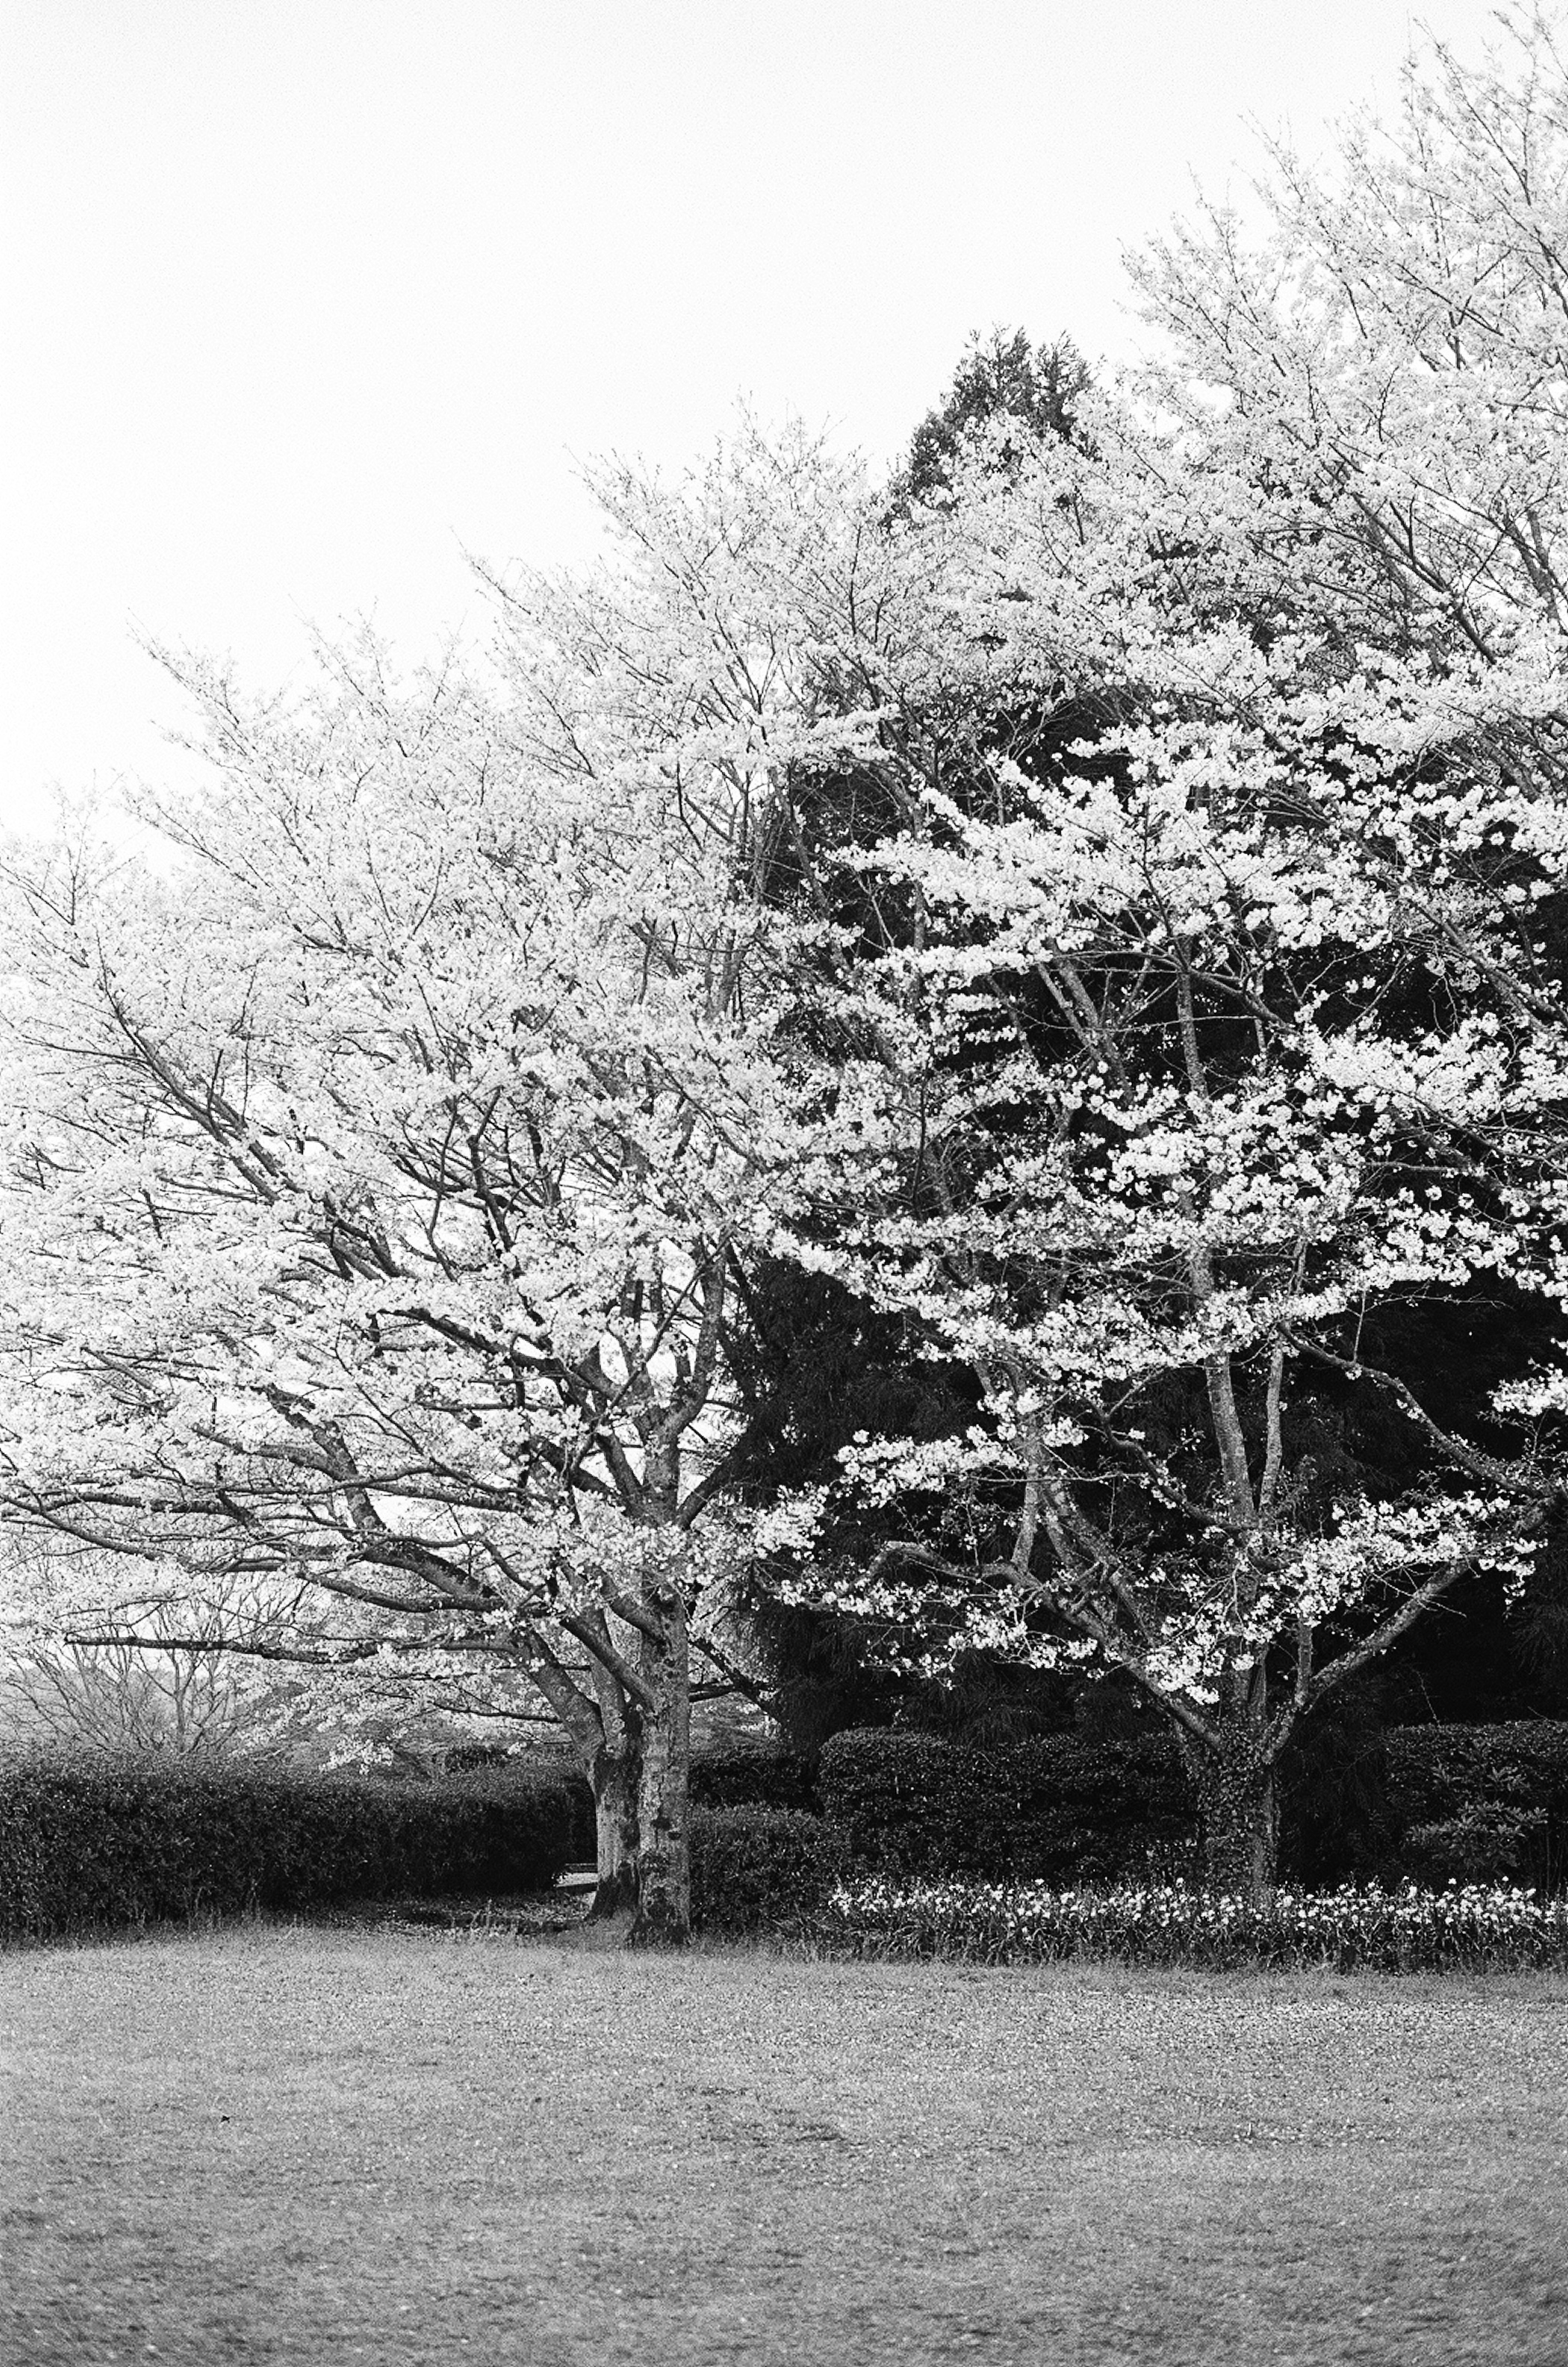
point(328, 2145)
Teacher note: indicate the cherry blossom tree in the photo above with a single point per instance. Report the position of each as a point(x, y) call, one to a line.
point(1210, 1035)
point(375, 1166)
point(1390, 352)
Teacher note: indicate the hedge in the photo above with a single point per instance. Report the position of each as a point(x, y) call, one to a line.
point(1481, 1803)
point(1057, 1809)
point(752, 1776)
point(1467, 1803)
point(754, 1867)
point(86, 1843)
point(558, 1767)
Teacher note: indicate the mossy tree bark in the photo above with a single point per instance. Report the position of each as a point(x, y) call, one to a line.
point(1239, 1801)
point(663, 1918)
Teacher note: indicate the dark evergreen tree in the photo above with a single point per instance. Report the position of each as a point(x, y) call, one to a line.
point(1000, 378)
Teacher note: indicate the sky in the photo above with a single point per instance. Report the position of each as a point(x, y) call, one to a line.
point(303, 300)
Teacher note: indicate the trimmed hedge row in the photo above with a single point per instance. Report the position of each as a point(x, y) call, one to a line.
point(1053, 1809)
point(89, 1843)
point(756, 1867)
point(752, 1776)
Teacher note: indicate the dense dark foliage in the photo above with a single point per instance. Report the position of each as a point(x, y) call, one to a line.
point(1362, 1802)
point(1057, 1808)
point(748, 1775)
point(1481, 1803)
point(1335, 1823)
point(1000, 378)
point(812, 1366)
point(755, 1868)
point(557, 1767)
point(91, 1843)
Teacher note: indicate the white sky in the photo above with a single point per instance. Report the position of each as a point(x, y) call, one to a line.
point(300, 297)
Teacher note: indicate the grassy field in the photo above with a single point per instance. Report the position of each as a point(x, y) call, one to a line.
point(325, 2146)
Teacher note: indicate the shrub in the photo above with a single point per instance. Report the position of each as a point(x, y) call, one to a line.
point(552, 1765)
point(1482, 1803)
point(93, 1842)
point(1051, 1808)
point(752, 1867)
point(491, 1831)
point(1491, 1928)
point(752, 1776)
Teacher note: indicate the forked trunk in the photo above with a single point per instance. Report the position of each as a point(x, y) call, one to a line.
point(663, 1912)
point(615, 1777)
point(612, 1762)
point(636, 1756)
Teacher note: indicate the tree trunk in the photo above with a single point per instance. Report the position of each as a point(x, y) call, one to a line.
point(1236, 1795)
point(611, 1761)
point(663, 1915)
point(614, 1776)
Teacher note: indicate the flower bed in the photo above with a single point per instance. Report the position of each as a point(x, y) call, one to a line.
point(1473, 1927)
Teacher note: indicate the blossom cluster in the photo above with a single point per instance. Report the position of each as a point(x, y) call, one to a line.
point(1354, 1927)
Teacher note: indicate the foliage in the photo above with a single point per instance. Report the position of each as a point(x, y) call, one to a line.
point(1478, 1928)
point(752, 1776)
point(1537, 1628)
point(1001, 381)
point(822, 1669)
point(1362, 1801)
point(92, 1842)
point(988, 1699)
point(545, 1766)
point(812, 1366)
point(1335, 1817)
point(1483, 1803)
point(465, 1758)
point(754, 1867)
point(1047, 1808)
